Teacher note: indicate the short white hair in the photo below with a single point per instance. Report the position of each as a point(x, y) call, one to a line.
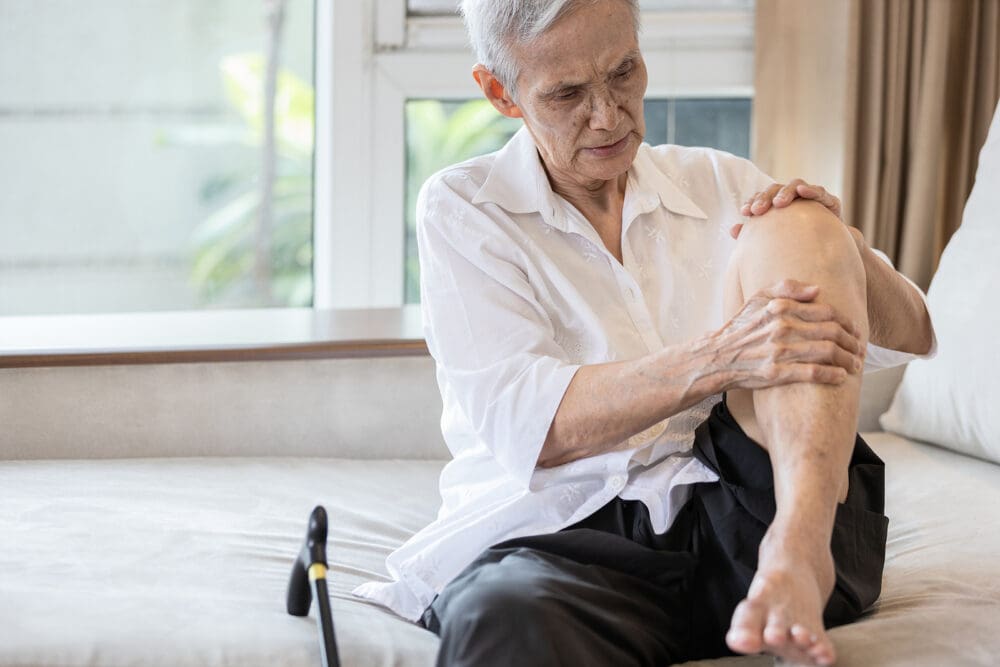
point(494, 26)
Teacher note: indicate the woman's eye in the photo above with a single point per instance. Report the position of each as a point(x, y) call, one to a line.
point(568, 95)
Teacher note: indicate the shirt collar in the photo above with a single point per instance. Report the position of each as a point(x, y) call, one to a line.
point(517, 183)
point(648, 177)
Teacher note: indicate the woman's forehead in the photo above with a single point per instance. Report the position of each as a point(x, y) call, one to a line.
point(550, 74)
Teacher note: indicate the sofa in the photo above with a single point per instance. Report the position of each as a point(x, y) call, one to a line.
point(150, 514)
point(118, 547)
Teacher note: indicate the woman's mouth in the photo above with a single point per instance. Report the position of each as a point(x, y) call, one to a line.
point(610, 150)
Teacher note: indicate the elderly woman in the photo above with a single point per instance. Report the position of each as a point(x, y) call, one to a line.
point(652, 423)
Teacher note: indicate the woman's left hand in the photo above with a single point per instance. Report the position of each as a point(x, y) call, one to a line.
point(780, 195)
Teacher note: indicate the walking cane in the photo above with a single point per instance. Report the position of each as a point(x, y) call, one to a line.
point(308, 578)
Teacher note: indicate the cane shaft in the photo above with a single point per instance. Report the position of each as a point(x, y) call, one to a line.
point(324, 620)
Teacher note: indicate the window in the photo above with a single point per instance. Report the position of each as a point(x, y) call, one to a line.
point(136, 162)
point(134, 155)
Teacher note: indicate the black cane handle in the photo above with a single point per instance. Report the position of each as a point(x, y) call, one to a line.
point(309, 573)
point(313, 552)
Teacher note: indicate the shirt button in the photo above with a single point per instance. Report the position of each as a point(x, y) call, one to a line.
point(617, 482)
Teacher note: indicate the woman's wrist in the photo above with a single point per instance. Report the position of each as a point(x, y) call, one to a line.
point(699, 363)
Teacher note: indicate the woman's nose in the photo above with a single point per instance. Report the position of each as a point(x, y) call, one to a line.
point(604, 112)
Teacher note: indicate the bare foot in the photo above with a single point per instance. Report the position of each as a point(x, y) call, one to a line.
point(783, 611)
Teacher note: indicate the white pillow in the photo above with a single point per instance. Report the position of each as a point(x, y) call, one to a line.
point(953, 400)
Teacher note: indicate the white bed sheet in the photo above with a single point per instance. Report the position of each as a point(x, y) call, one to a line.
point(185, 561)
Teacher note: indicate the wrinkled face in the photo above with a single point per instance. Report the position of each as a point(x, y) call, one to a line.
point(580, 89)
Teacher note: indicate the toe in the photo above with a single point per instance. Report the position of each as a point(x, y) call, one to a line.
point(746, 632)
point(822, 651)
point(776, 632)
point(803, 637)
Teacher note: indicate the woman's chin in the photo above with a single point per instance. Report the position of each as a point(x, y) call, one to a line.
point(605, 168)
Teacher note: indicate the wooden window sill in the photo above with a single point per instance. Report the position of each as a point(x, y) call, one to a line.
point(209, 336)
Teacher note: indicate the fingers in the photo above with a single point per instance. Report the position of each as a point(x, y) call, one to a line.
point(791, 330)
point(819, 193)
point(823, 352)
point(779, 196)
point(790, 289)
point(788, 193)
point(795, 298)
point(805, 310)
point(780, 374)
point(783, 335)
point(760, 203)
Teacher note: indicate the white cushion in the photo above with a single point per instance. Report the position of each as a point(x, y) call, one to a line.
point(951, 400)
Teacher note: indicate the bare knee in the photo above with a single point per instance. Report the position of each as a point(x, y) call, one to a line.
point(804, 236)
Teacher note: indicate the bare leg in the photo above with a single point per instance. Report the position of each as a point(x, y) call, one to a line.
point(808, 430)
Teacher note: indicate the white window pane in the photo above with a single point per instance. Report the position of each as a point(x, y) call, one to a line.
point(131, 155)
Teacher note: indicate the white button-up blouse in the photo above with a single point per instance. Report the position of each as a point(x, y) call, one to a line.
point(518, 291)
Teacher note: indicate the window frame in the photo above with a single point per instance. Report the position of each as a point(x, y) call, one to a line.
point(379, 57)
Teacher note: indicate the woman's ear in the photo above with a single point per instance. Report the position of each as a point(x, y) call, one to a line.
point(495, 92)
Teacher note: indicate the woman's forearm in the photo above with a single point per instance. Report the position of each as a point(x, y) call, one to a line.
point(605, 404)
point(897, 317)
point(781, 335)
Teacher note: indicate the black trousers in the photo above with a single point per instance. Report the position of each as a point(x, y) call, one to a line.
point(610, 591)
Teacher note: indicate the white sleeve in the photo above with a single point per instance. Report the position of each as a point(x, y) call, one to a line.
point(488, 334)
point(877, 357)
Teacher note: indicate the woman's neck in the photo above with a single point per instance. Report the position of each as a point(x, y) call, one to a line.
point(594, 199)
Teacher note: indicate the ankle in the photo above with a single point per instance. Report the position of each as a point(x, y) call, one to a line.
point(786, 542)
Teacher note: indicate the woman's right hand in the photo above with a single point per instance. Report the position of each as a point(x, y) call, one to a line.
point(780, 336)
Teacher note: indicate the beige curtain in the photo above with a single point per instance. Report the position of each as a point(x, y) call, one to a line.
point(908, 90)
